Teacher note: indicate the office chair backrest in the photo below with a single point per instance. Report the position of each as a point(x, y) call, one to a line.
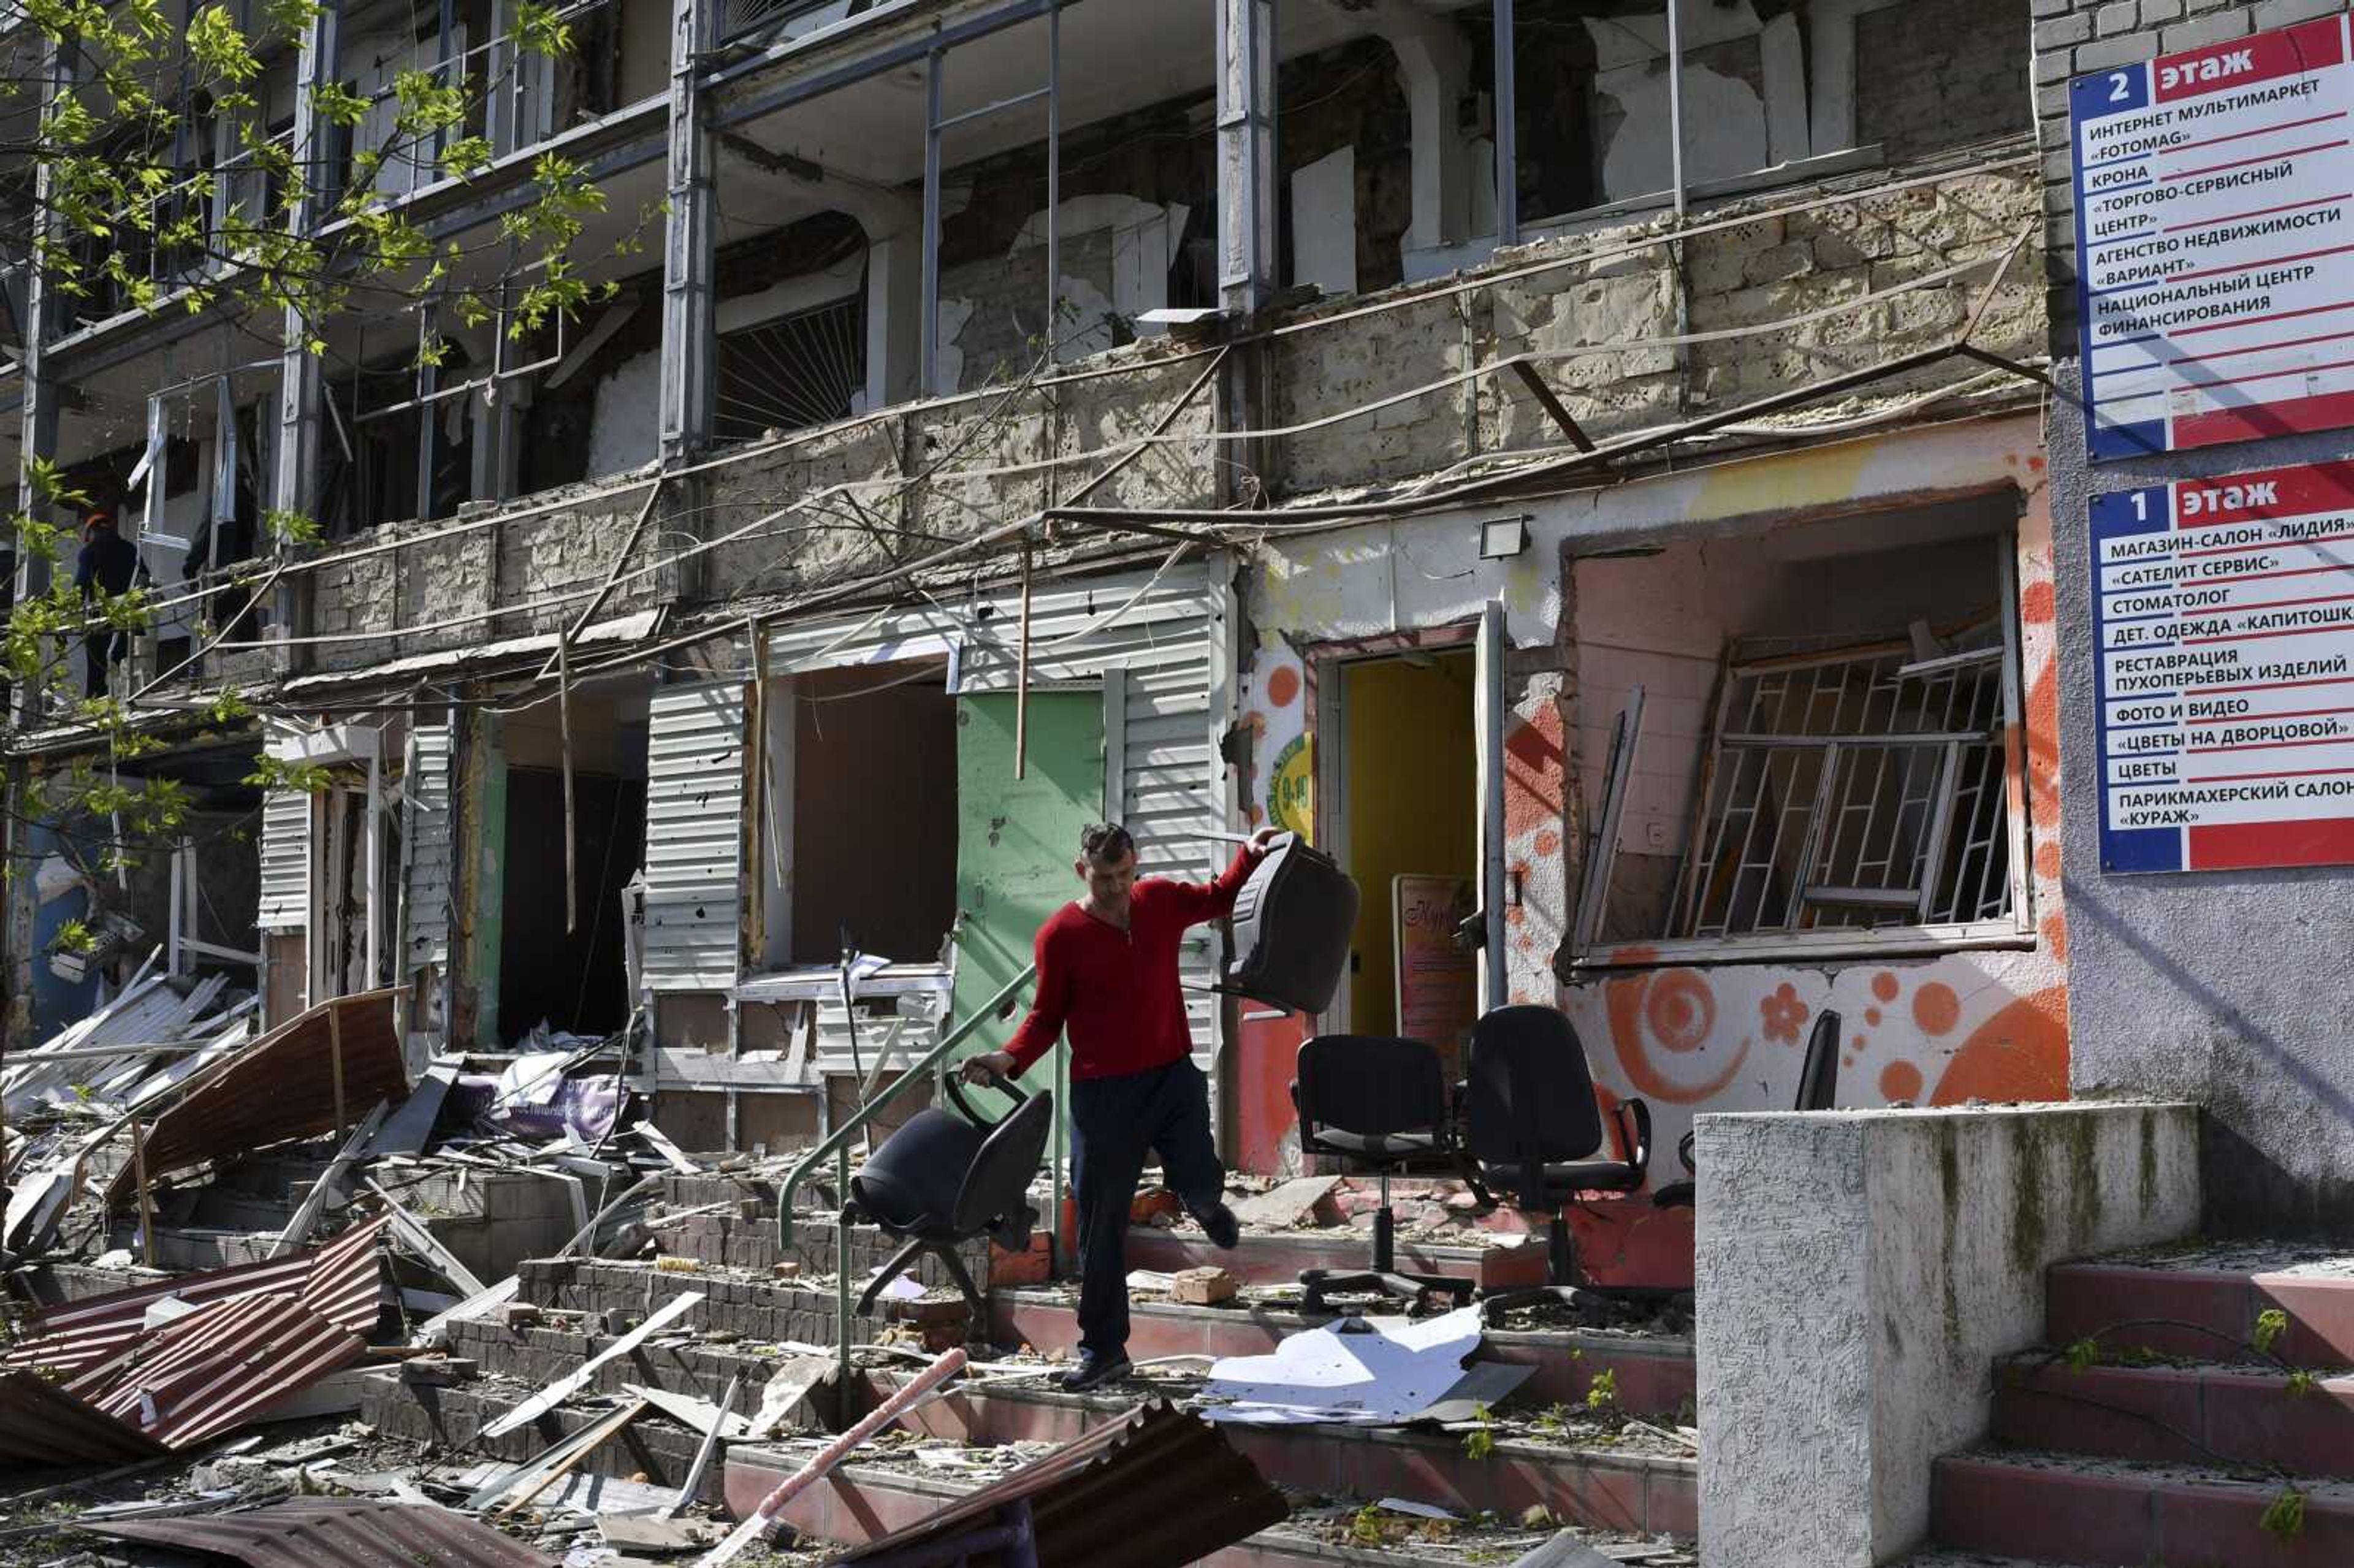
point(1527, 1074)
point(1371, 1085)
point(1001, 1168)
point(1818, 1077)
point(912, 1182)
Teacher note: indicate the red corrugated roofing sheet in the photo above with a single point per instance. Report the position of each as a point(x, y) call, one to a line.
point(282, 1086)
point(1156, 1488)
point(207, 1372)
point(343, 1281)
point(336, 1535)
point(40, 1424)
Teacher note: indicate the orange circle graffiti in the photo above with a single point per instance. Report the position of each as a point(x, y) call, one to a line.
point(1678, 1009)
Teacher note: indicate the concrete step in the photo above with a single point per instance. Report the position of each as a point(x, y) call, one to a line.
point(752, 1306)
point(749, 1245)
point(2107, 1513)
point(1277, 1258)
point(2196, 1415)
point(862, 1500)
point(1593, 1487)
point(2206, 1306)
point(1653, 1374)
point(535, 1357)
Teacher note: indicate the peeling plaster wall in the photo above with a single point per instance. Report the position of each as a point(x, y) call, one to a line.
point(1984, 1025)
point(1615, 294)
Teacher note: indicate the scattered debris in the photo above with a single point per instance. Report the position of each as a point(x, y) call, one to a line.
point(1306, 1201)
point(1202, 1286)
point(563, 1388)
point(1365, 1372)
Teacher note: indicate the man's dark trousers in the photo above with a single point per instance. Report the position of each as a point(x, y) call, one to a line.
point(1114, 1121)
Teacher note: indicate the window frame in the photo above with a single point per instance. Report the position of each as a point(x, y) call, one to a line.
point(2016, 930)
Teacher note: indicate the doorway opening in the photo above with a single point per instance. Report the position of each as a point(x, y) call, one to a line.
point(1401, 734)
point(572, 979)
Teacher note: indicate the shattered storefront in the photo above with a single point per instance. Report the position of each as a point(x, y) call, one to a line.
point(864, 841)
point(1698, 759)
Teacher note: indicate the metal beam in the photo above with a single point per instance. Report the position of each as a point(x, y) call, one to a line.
point(1246, 155)
point(294, 486)
point(801, 89)
point(688, 380)
point(39, 415)
point(1508, 132)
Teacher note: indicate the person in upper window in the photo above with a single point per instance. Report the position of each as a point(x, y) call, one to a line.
point(108, 564)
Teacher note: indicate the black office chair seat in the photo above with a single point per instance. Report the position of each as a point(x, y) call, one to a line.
point(1817, 1091)
point(939, 1181)
point(1390, 1146)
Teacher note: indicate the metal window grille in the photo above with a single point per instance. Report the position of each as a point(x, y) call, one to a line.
point(1855, 789)
point(791, 372)
point(787, 19)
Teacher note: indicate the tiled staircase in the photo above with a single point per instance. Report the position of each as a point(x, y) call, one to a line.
point(2152, 1429)
point(1622, 1494)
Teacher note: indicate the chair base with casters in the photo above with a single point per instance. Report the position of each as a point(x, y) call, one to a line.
point(1383, 1278)
point(939, 1181)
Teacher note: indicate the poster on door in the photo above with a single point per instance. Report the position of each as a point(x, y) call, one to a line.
point(2215, 195)
point(1437, 982)
point(2223, 613)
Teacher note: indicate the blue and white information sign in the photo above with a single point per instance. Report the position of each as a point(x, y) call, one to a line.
point(2223, 609)
point(2214, 228)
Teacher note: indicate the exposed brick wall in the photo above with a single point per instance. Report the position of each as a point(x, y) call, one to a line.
point(2076, 38)
point(1968, 82)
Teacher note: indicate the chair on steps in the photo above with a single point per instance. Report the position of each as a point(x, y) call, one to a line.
point(1377, 1101)
point(1533, 1131)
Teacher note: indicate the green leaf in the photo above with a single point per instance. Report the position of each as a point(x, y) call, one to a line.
point(2271, 1324)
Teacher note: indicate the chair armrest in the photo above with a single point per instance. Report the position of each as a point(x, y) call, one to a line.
point(1635, 1135)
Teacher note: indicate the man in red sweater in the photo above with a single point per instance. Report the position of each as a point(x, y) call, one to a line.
point(1107, 974)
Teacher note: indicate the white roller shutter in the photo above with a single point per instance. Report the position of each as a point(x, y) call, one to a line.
point(285, 861)
point(429, 833)
point(694, 837)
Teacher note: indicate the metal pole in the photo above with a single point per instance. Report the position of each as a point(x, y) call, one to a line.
point(1508, 132)
point(1022, 675)
point(138, 1173)
point(928, 315)
point(842, 1265)
point(1675, 102)
point(1053, 188)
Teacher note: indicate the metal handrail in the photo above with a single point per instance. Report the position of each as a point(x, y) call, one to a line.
point(838, 1145)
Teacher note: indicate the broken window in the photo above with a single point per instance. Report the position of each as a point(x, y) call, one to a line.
point(1805, 737)
point(1855, 788)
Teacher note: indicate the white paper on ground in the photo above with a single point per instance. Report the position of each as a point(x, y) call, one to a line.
point(1398, 1367)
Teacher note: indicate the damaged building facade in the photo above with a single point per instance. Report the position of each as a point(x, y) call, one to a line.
point(1636, 570)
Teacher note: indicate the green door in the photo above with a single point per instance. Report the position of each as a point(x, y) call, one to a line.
point(1015, 841)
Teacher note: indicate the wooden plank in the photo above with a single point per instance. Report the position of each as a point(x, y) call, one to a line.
point(563, 1388)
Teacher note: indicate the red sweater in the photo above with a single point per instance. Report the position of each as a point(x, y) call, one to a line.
point(1115, 991)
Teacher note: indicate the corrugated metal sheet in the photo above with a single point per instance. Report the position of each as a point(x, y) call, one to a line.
point(282, 1086)
point(40, 1424)
point(426, 829)
point(208, 1373)
point(150, 1013)
point(336, 1535)
point(694, 837)
point(342, 1281)
point(285, 861)
point(1172, 645)
point(1155, 1489)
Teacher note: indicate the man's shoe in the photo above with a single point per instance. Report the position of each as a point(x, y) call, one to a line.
point(1093, 1371)
point(1225, 1230)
